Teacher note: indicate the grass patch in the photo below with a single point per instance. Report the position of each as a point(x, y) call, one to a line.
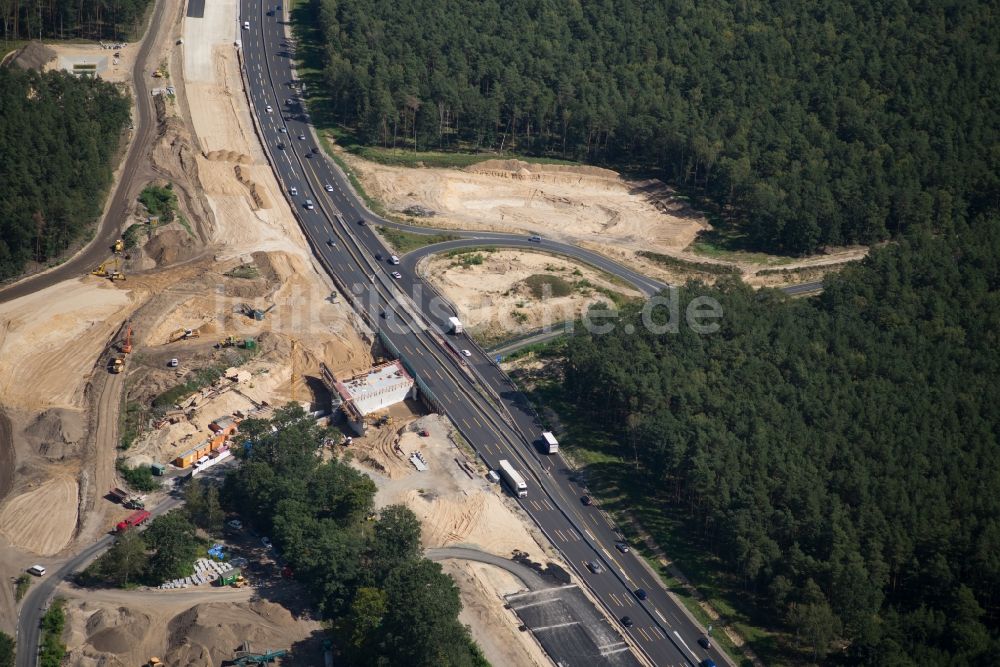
point(244, 271)
point(401, 157)
point(682, 265)
point(139, 479)
point(160, 201)
point(607, 466)
point(130, 421)
point(545, 286)
point(22, 584)
point(131, 235)
point(465, 260)
point(52, 650)
point(185, 224)
point(403, 242)
point(726, 242)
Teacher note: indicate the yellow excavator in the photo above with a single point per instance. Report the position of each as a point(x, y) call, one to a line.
point(119, 246)
point(104, 270)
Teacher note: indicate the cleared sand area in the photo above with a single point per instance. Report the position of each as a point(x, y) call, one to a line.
point(501, 293)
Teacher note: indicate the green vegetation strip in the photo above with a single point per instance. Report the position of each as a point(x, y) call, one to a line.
point(52, 650)
point(160, 201)
point(685, 265)
point(403, 242)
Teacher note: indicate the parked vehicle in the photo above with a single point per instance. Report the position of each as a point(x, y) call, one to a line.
point(135, 519)
point(37, 570)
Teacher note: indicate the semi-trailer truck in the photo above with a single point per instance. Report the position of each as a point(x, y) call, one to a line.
point(549, 443)
point(133, 520)
point(455, 325)
point(513, 479)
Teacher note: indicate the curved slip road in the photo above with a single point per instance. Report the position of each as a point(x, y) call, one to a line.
point(528, 577)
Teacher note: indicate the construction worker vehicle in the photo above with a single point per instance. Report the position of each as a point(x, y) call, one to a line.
point(119, 246)
point(117, 364)
point(127, 341)
point(129, 500)
point(103, 271)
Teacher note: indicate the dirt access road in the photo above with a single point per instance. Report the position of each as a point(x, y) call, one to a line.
point(98, 249)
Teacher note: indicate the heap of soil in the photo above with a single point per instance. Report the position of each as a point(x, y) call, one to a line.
point(208, 634)
point(55, 433)
point(34, 55)
point(116, 630)
point(170, 246)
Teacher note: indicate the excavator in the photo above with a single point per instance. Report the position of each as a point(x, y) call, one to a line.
point(103, 271)
point(119, 246)
point(127, 343)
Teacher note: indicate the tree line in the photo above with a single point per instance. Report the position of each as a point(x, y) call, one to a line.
point(58, 135)
point(806, 123)
point(386, 604)
point(838, 454)
point(66, 19)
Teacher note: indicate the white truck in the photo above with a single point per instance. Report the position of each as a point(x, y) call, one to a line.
point(455, 325)
point(513, 479)
point(549, 443)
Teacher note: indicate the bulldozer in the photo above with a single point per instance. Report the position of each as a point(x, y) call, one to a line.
point(184, 334)
point(229, 341)
point(240, 582)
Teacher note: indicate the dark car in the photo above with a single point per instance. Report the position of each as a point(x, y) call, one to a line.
point(361, 222)
point(704, 643)
point(378, 256)
point(586, 501)
point(641, 593)
point(595, 567)
point(707, 662)
point(627, 621)
point(622, 546)
point(330, 242)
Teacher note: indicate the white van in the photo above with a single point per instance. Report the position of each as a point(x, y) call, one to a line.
point(37, 570)
point(246, 25)
point(394, 260)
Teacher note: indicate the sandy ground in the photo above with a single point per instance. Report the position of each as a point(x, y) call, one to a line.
point(455, 508)
point(493, 300)
point(42, 519)
point(117, 70)
point(191, 627)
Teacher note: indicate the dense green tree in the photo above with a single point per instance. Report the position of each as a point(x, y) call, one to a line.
point(172, 539)
point(126, 561)
point(89, 19)
point(7, 653)
point(58, 135)
point(395, 540)
point(835, 452)
point(810, 122)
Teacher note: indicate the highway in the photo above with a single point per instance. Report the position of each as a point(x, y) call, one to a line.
point(478, 398)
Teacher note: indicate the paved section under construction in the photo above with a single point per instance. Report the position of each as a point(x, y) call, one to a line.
point(566, 624)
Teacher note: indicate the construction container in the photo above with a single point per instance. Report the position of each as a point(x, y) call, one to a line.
point(250, 344)
point(228, 577)
point(158, 469)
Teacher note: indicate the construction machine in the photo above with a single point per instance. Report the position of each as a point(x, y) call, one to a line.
point(184, 334)
point(240, 582)
point(154, 662)
point(119, 246)
point(127, 343)
point(103, 271)
point(246, 656)
point(117, 364)
point(229, 341)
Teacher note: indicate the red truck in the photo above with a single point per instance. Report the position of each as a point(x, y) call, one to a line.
point(134, 519)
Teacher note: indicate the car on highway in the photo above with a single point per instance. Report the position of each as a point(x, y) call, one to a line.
point(466, 353)
point(293, 190)
point(622, 546)
point(281, 146)
point(283, 130)
point(595, 567)
point(704, 643)
point(397, 275)
point(362, 222)
point(330, 242)
point(641, 593)
point(535, 239)
point(707, 662)
point(302, 137)
point(586, 501)
point(268, 108)
point(328, 187)
point(378, 257)
point(309, 205)
point(627, 621)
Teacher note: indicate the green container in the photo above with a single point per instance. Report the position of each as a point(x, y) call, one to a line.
point(158, 469)
point(250, 344)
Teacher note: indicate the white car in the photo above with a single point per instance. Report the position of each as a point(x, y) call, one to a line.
point(302, 137)
point(328, 187)
point(174, 362)
point(283, 130)
point(268, 108)
point(397, 275)
point(293, 190)
point(466, 353)
point(309, 204)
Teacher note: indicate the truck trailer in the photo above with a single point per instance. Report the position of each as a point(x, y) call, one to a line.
point(549, 443)
point(133, 520)
point(455, 325)
point(513, 479)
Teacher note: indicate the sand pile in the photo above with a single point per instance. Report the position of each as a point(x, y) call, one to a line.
point(56, 432)
point(210, 633)
point(34, 55)
point(228, 156)
point(258, 194)
point(116, 630)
